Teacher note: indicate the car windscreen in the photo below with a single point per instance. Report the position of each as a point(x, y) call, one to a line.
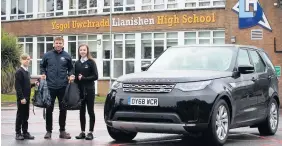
point(195, 58)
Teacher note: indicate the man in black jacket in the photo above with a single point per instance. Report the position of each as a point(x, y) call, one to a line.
point(56, 67)
point(23, 90)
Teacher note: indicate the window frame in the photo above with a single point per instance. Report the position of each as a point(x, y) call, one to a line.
point(252, 61)
point(198, 2)
point(238, 53)
point(4, 16)
point(17, 16)
point(89, 10)
point(55, 12)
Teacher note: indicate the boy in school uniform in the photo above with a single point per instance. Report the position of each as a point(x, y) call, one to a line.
point(23, 91)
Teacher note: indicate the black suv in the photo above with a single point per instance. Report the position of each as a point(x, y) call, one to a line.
point(196, 89)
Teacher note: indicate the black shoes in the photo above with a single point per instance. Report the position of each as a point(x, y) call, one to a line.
point(27, 136)
point(48, 135)
point(24, 136)
point(19, 137)
point(64, 135)
point(80, 136)
point(89, 136)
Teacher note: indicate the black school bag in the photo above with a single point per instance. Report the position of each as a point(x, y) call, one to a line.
point(72, 100)
point(41, 96)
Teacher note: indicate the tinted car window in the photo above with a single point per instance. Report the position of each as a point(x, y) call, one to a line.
point(258, 63)
point(267, 59)
point(243, 58)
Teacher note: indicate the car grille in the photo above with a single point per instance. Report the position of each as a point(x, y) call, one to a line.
point(147, 88)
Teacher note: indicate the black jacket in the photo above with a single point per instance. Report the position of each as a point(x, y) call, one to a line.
point(57, 67)
point(88, 70)
point(22, 84)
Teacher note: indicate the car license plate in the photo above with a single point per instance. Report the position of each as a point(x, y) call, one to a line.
point(143, 101)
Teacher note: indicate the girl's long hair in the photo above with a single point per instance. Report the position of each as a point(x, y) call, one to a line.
point(87, 54)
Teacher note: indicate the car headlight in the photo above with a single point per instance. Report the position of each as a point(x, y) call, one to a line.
point(192, 86)
point(116, 85)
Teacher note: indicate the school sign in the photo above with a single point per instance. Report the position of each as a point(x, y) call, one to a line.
point(169, 20)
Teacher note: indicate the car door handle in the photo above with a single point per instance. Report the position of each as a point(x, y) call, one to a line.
point(269, 77)
point(254, 79)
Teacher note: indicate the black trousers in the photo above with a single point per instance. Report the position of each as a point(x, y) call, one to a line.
point(22, 117)
point(59, 93)
point(88, 94)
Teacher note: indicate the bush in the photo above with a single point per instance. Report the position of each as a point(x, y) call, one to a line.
point(10, 61)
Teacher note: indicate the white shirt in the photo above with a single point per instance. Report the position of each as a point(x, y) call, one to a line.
point(83, 59)
point(25, 68)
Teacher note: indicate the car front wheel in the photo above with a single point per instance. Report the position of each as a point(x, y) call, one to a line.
point(218, 130)
point(119, 135)
point(270, 125)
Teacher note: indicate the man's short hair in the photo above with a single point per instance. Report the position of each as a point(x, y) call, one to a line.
point(59, 38)
point(24, 56)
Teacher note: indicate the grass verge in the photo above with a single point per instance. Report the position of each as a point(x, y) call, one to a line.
point(7, 98)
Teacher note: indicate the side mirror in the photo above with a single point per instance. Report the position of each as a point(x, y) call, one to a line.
point(145, 67)
point(246, 69)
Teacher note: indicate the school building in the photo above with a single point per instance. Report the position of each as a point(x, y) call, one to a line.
point(142, 29)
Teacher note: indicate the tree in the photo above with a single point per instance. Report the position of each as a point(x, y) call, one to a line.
point(10, 61)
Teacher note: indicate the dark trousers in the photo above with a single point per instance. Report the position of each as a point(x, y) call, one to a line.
point(88, 94)
point(59, 93)
point(22, 117)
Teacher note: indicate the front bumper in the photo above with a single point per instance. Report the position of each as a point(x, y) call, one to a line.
point(177, 111)
point(157, 127)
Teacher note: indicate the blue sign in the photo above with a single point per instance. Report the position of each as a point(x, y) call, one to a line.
point(248, 18)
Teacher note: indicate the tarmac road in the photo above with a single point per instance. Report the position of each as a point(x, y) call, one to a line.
point(238, 137)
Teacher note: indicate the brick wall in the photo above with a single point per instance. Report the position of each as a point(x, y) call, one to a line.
point(243, 36)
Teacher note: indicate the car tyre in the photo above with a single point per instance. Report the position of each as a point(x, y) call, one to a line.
point(218, 130)
point(270, 125)
point(119, 135)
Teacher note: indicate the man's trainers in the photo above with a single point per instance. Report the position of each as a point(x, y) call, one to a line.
point(27, 136)
point(47, 135)
point(64, 135)
point(19, 137)
point(80, 136)
point(89, 136)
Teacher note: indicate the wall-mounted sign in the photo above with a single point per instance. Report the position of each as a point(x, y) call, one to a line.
point(169, 20)
point(278, 70)
point(249, 18)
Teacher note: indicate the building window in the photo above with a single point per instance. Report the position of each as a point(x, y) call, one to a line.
point(3, 10)
point(218, 37)
point(44, 44)
point(124, 54)
point(106, 6)
point(172, 4)
point(204, 37)
point(159, 4)
point(21, 9)
point(124, 5)
point(27, 45)
point(204, 3)
point(106, 45)
point(82, 7)
point(50, 8)
point(171, 39)
point(153, 45)
point(75, 41)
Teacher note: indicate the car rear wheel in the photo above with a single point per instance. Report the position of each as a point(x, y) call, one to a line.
point(270, 125)
point(119, 135)
point(218, 130)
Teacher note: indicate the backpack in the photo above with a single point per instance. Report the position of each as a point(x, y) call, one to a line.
point(71, 99)
point(41, 96)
